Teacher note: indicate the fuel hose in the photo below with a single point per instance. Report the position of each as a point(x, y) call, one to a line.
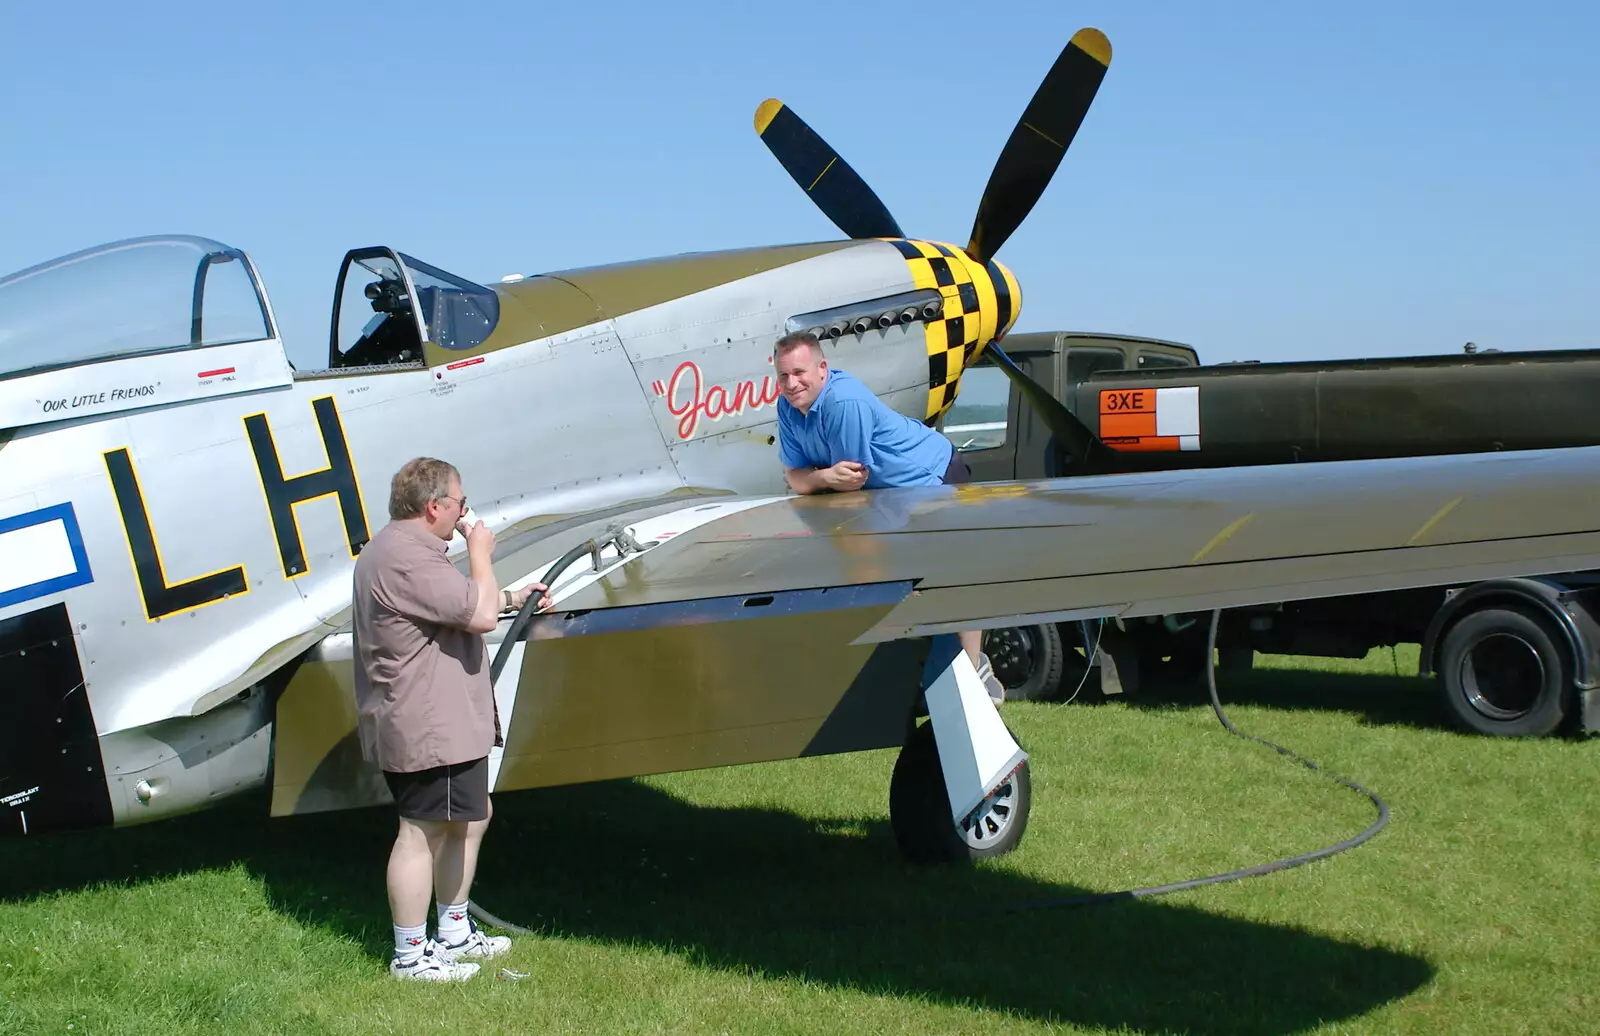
point(1087, 899)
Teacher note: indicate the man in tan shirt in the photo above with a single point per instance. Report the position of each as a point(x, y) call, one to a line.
point(426, 711)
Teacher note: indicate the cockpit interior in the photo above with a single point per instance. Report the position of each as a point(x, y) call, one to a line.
point(387, 304)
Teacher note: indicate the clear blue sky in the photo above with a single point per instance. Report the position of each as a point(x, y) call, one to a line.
point(1261, 179)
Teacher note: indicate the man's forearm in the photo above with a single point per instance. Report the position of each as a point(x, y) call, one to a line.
point(487, 614)
point(805, 480)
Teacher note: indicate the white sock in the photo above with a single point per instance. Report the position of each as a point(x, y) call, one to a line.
point(410, 942)
point(453, 923)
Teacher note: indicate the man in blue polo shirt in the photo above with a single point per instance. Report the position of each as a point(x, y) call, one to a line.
point(834, 435)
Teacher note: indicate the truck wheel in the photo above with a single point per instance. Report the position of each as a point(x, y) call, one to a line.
point(1505, 672)
point(919, 809)
point(1027, 659)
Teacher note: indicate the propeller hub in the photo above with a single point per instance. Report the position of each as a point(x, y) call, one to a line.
point(981, 303)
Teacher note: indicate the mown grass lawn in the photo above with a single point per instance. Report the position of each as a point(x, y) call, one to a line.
point(770, 898)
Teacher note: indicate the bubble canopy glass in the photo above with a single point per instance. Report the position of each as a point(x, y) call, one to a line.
point(129, 298)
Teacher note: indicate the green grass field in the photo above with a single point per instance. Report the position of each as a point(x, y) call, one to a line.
point(770, 899)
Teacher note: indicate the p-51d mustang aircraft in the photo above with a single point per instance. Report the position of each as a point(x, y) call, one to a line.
point(181, 511)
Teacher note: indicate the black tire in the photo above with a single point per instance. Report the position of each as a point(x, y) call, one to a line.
point(919, 809)
point(1028, 660)
point(1505, 672)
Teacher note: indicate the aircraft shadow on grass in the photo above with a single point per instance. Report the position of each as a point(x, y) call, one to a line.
point(769, 892)
point(1377, 699)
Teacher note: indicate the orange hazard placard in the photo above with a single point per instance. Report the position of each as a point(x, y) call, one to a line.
point(1127, 413)
point(1127, 401)
point(1150, 419)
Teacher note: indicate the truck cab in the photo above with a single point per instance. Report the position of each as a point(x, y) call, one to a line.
point(999, 436)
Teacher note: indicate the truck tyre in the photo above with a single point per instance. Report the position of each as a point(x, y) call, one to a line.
point(1505, 671)
point(919, 809)
point(1029, 660)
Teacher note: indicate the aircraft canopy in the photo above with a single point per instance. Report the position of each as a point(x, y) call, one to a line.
point(127, 298)
point(150, 321)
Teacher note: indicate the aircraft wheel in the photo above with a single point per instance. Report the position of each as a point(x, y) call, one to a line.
point(919, 809)
point(1506, 673)
point(1028, 660)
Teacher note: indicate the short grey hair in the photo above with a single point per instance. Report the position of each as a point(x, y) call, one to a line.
point(421, 479)
point(796, 339)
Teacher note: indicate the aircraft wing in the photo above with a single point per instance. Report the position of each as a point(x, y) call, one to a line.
point(997, 554)
point(756, 629)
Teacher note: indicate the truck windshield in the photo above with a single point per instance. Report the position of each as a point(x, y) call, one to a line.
point(977, 419)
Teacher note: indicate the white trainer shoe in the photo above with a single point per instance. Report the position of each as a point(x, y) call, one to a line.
point(432, 966)
point(991, 683)
point(476, 944)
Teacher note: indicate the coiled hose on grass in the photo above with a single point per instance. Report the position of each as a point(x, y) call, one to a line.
point(1148, 891)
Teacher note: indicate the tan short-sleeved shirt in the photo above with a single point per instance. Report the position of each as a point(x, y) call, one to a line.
point(423, 696)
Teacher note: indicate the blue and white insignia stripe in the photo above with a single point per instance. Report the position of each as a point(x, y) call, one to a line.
point(41, 553)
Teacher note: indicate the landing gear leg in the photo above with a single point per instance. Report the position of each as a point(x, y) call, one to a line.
point(960, 789)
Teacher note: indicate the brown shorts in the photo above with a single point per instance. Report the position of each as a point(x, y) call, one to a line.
point(457, 792)
point(957, 471)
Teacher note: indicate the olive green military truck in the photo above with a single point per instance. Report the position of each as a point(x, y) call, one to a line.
point(1512, 657)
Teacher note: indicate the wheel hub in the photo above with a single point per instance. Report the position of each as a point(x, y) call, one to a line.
point(1503, 676)
point(987, 824)
point(1010, 652)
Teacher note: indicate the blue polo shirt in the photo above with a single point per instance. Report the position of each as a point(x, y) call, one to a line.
point(848, 422)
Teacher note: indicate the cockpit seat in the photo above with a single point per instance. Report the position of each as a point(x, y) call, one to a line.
point(391, 337)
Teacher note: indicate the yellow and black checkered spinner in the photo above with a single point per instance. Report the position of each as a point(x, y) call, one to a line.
point(981, 302)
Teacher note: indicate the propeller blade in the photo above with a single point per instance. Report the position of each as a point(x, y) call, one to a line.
point(1086, 453)
point(1041, 138)
point(837, 189)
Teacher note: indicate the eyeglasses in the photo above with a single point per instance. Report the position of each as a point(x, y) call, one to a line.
point(463, 502)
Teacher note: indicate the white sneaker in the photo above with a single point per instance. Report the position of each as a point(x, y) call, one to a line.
point(476, 944)
point(431, 966)
point(991, 683)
